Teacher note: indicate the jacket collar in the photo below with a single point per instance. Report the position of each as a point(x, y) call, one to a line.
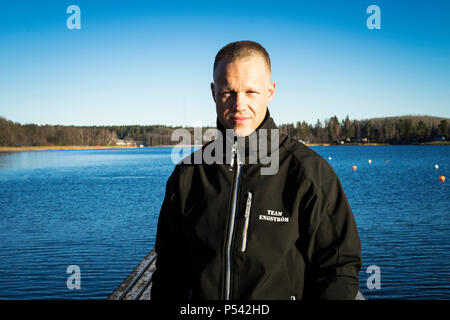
point(248, 147)
point(267, 123)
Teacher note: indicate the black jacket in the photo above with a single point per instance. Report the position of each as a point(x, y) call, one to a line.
point(229, 232)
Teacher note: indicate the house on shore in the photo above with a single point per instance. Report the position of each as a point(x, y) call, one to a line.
point(125, 142)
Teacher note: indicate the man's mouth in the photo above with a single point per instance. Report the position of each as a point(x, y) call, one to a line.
point(239, 119)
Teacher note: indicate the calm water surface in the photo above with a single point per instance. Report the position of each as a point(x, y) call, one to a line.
point(98, 209)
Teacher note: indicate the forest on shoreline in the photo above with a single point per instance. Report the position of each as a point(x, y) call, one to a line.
point(387, 130)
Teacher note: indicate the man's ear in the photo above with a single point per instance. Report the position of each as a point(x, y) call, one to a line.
point(213, 91)
point(271, 91)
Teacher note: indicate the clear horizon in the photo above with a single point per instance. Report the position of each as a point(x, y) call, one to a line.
point(150, 63)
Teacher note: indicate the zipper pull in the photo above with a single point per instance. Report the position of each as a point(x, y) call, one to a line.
point(247, 217)
point(233, 155)
point(248, 204)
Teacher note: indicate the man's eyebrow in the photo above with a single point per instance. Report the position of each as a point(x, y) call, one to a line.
point(227, 88)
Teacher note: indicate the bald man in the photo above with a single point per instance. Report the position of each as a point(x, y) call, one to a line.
point(230, 230)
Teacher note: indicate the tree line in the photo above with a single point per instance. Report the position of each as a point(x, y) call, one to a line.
point(391, 130)
point(14, 134)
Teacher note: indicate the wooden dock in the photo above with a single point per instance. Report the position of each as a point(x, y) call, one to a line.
point(138, 284)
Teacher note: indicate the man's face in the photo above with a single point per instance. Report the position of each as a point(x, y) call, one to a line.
point(242, 90)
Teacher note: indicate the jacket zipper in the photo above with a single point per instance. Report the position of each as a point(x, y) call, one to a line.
point(234, 204)
point(247, 217)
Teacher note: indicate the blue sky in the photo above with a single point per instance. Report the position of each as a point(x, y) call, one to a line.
point(146, 62)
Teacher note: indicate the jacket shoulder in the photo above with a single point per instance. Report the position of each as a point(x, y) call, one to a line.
point(313, 166)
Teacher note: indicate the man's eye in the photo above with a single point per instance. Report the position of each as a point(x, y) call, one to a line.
point(252, 92)
point(225, 93)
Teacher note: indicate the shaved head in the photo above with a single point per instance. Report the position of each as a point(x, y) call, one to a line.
point(242, 88)
point(241, 50)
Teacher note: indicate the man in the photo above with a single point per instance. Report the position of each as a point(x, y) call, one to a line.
point(228, 231)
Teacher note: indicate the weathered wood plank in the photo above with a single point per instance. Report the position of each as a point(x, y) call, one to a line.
point(146, 293)
point(138, 281)
point(360, 296)
point(140, 286)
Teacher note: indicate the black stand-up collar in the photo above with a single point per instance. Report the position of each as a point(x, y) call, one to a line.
point(245, 146)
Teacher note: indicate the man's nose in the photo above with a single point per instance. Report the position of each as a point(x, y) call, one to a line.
point(240, 102)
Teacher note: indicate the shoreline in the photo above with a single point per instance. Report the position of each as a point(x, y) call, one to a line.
point(55, 148)
point(58, 148)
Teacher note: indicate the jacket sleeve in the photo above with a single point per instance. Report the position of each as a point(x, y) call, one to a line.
point(333, 248)
point(171, 278)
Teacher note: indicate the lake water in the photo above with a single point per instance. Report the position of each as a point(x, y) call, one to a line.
point(98, 209)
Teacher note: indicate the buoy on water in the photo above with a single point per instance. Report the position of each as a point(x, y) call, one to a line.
point(442, 178)
point(436, 166)
point(329, 158)
point(370, 161)
point(354, 168)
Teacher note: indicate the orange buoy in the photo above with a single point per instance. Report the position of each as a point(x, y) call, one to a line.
point(442, 178)
point(354, 168)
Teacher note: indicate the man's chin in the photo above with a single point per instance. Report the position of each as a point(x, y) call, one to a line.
point(239, 130)
point(243, 131)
